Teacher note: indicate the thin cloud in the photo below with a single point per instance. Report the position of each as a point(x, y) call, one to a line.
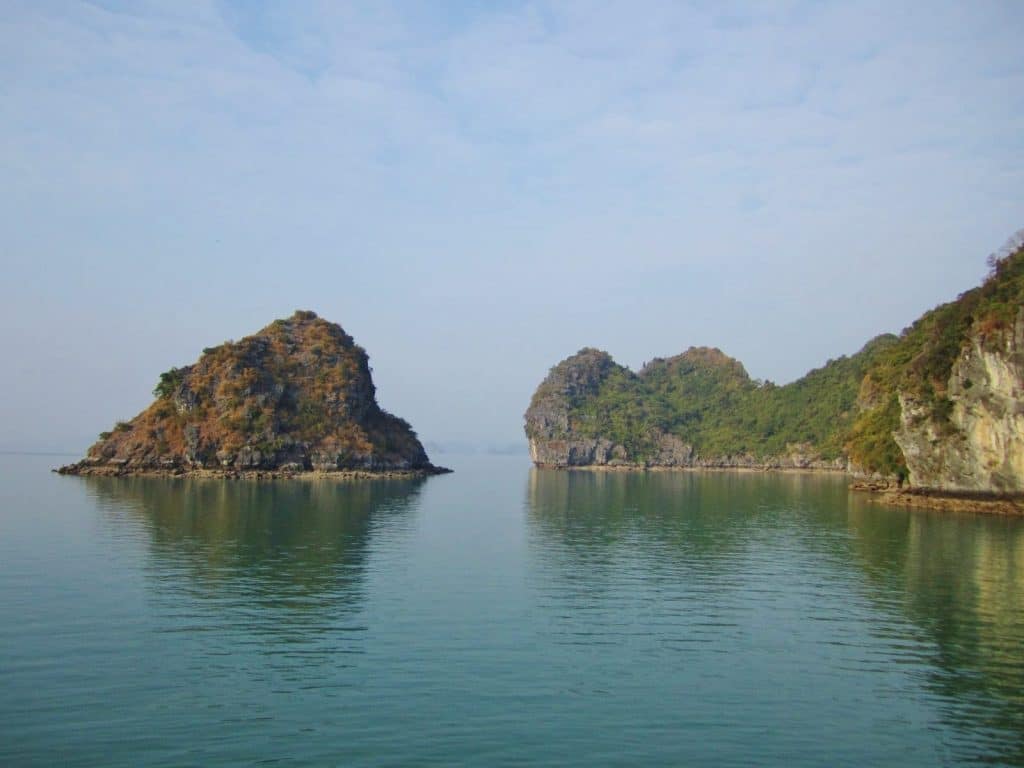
point(454, 183)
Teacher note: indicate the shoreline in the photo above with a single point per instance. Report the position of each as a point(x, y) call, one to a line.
point(973, 502)
point(250, 474)
point(663, 468)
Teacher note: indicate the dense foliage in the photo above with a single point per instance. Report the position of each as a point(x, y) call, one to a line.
point(708, 400)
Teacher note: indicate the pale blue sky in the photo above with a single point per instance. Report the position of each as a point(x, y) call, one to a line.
point(476, 191)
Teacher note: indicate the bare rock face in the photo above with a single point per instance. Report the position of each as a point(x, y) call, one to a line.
point(296, 396)
point(979, 444)
point(552, 440)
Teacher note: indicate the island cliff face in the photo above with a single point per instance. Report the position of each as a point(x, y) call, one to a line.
point(980, 443)
point(295, 397)
point(944, 407)
point(980, 446)
point(976, 441)
point(939, 407)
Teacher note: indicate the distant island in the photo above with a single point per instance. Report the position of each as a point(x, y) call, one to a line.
point(294, 399)
point(939, 408)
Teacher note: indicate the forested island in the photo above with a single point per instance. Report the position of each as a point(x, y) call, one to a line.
point(293, 399)
point(940, 407)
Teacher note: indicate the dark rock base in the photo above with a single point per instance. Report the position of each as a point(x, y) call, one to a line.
point(949, 501)
point(105, 470)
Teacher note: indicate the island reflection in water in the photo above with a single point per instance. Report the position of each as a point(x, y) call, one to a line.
point(504, 615)
point(282, 561)
point(960, 579)
point(713, 563)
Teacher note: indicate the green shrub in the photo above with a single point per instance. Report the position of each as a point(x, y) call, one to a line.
point(169, 382)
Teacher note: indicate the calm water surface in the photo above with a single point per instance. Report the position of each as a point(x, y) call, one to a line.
point(502, 616)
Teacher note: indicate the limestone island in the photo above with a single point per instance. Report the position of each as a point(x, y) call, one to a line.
point(295, 399)
point(932, 417)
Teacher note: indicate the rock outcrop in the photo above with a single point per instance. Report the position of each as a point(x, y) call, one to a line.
point(295, 397)
point(976, 443)
point(553, 442)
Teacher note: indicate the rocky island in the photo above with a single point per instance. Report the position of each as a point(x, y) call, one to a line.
point(294, 399)
point(936, 413)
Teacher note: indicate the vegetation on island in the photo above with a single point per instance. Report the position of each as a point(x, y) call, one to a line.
point(708, 400)
point(848, 408)
point(921, 362)
point(298, 394)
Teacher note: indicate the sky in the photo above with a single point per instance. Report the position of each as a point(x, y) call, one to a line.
point(475, 191)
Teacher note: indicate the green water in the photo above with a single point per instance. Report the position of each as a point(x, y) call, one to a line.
point(502, 616)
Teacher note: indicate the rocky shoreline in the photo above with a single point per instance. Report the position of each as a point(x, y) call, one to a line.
point(949, 501)
point(84, 469)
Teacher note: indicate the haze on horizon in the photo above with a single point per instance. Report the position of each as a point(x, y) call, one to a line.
point(476, 191)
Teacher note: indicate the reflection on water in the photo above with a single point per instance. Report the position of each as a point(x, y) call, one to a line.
point(502, 616)
point(705, 514)
point(960, 578)
point(285, 559)
point(713, 550)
